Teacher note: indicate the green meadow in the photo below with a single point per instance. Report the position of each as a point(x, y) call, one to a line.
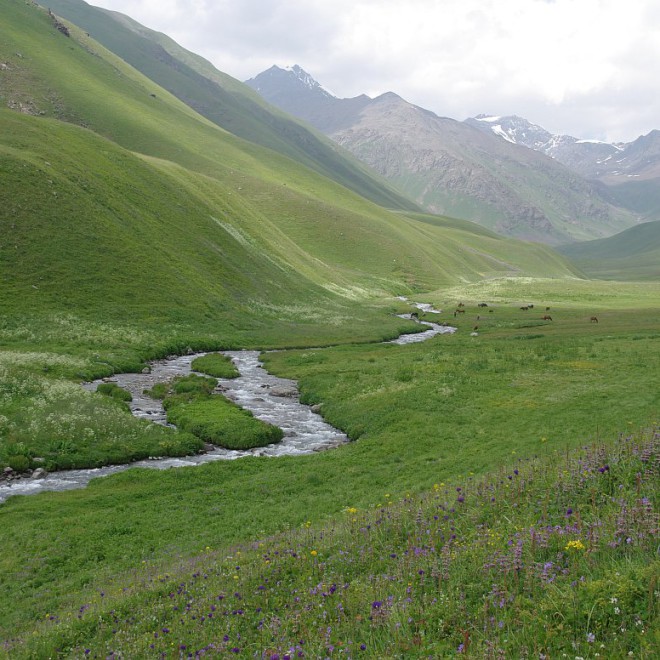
point(132, 229)
point(455, 409)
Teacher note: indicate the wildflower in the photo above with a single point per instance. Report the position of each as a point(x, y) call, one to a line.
point(313, 553)
point(591, 638)
point(574, 545)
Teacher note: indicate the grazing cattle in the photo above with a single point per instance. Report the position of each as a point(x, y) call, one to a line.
point(482, 305)
point(414, 315)
point(476, 327)
point(524, 309)
point(531, 306)
point(547, 318)
point(547, 309)
point(594, 319)
point(460, 305)
point(490, 311)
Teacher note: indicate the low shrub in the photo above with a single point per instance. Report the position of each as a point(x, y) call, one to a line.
point(114, 391)
point(19, 463)
point(219, 421)
point(215, 364)
point(193, 385)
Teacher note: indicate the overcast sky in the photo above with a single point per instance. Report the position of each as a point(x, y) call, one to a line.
point(586, 68)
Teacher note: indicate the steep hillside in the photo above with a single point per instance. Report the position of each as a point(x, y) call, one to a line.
point(633, 254)
point(223, 100)
point(451, 167)
point(146, 208)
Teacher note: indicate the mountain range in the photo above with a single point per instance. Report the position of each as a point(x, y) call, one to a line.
point(458, 168)
point(607, 162)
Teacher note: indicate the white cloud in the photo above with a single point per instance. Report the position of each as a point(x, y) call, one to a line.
point(583, 67)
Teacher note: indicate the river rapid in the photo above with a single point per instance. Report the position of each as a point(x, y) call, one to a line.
point(269, 398)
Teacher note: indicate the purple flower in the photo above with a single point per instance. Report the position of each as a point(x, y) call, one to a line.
point(569, 512)
point(363, 647)
point(376, 605)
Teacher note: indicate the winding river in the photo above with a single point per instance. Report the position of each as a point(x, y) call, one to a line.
point(268, 397)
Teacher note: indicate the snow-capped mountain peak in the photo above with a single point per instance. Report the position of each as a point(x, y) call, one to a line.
point(307, 79)
point(591, 158)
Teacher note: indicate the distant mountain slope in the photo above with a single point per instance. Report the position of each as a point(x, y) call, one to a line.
point(628, 174)
point(224, 100)
point(450, 167)
point(119, 200)
point(633, 254)
point(611, 163)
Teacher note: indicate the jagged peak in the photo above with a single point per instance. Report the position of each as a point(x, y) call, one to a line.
point(307, 79)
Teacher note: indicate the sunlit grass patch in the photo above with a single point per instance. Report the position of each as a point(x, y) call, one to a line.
point(41, 361)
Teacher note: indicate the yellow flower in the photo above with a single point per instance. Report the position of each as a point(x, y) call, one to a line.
point(313, 553)
point(574, 545)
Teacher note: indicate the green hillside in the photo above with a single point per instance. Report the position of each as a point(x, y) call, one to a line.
point(222, 99)
point(634, 254)
point(201, 220)
point(642, 197)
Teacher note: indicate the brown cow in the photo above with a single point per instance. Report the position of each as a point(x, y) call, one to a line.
point(547, 318)
point(594, 319)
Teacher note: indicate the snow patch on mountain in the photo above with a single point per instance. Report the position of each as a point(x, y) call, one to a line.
point(307, 80)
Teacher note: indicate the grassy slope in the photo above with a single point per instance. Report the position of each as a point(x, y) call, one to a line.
point(633, 254)
point(547, 558)
point(249, 201)
point(642, 197)
point(224, 100)
point(423, 414)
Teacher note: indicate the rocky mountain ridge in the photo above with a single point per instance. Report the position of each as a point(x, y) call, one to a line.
point(607, 162)
point(452, 167)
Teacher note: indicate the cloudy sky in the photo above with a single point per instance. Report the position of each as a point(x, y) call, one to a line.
point(586, 68)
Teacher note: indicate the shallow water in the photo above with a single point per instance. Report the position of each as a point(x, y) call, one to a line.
point(269, 398)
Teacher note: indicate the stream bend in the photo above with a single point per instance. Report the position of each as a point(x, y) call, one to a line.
point(269, 398)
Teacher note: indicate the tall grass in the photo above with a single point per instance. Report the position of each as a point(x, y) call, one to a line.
point(550, 557)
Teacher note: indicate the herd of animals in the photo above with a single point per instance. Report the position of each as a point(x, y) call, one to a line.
point(460, 309)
